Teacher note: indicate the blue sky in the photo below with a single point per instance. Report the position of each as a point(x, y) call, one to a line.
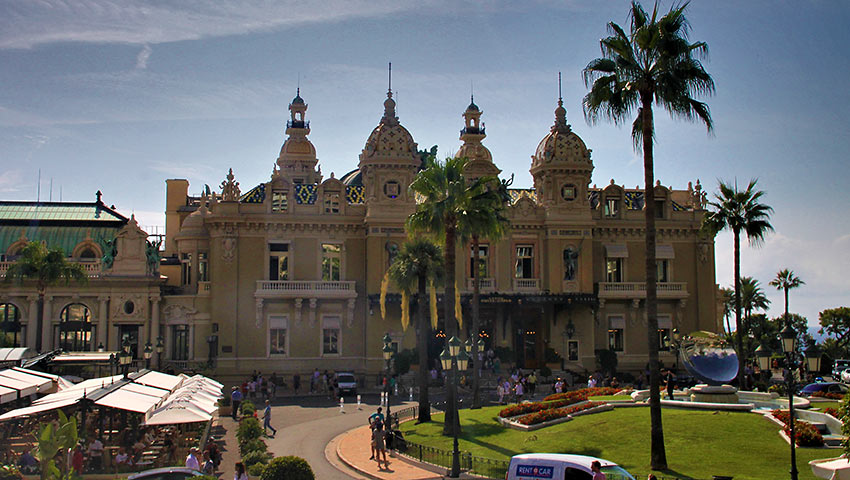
point(119, 95)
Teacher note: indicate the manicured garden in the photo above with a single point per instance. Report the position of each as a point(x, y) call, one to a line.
point(699, 443)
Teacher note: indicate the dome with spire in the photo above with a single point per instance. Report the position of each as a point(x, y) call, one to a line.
point(389, 140)
point(297, 154)
point(193, 226)
point(561, 147)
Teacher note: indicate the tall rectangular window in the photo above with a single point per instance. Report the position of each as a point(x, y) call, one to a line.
point(614, 270)
point(663, 270)
point(180, 342)
point(331, 203)
point(659, 209)
point(483, 270)
point(616, 327)
point(572, 350)
point(203, 267)
point(278, 261)
point(612, 207)
point(279, 203)
point(277, 335)
point(331, 262)
point(524, 261)
point(186, 268)
point(330, 336)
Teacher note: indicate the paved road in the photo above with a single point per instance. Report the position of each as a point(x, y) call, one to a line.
point(306, 426)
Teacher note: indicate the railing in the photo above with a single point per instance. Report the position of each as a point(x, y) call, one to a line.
point(484, 467)
point(638, 289)
point(526, 284)
point(92, 269)
point(402, 414)
point(484, 284)
point(305, 288)
point(203, 289)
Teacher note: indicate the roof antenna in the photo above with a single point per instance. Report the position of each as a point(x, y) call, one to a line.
point(390, 80)
point(51, 189)
point(560, 100)
point(298, 89)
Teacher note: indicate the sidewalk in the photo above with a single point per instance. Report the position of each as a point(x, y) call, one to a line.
point(353, 448)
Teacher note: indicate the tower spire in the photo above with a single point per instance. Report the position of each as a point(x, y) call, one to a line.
point(390, 81)
point(561, 124)
point(560, 98)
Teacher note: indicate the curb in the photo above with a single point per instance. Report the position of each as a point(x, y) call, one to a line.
point(338, 439)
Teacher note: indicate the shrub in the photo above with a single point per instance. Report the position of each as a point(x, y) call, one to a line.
point(556, 401)
point(777, 388)
point(10, 472)
point(256, 470)
point(830, 395)
point(247, 408)
point(288, 468)
point(256, 456)
point(831, 411)
point(205, 477)
point(805, 435)
point(844, 416)
point(255, 445)
point(249, 429)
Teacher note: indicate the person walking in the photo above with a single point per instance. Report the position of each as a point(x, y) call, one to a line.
point(296, 383)
point(235, 400)
point(671, 383)
point(267, 420)
point(378, 444)
point(596, 469)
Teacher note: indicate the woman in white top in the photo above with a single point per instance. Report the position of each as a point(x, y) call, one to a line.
point(240, 472)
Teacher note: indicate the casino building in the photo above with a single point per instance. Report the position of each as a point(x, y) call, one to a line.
point(285, 276)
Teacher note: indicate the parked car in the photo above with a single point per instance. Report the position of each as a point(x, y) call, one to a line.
point(166, 473)
point(825, 387)
point(347, 383)
point(560, 466)
point(839, 366)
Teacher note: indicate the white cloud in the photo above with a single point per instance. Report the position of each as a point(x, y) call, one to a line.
point(29, 24)
point(142, 57)
point(11, 181)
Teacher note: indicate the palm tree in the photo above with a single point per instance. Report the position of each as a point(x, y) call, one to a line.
point(446, 195)
point(653, 63)
point(786, 280)
point(727, 295)
point(45, 267)
point(739, 211)
point(484, 219)
point(418, 262)
point(752, 300)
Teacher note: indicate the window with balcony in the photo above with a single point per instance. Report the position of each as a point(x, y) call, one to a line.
point(616, 328)
point(186, 268)
point(483, 270)
point(203, 267)
point(331, 253)
point(279, 201)
point(524, 261)
point(665, 329)
point(331, 202)
point(663, 270)
point(180, 342)
point(614, 270)
point(612, 207)
point(330, 336)
point(278, 261)
point(277, 335)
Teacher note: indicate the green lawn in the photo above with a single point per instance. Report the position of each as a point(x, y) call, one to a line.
point(825, 404)
point(699, 443)
point(611, 398)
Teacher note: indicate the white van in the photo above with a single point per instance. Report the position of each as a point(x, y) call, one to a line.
point(560, 466)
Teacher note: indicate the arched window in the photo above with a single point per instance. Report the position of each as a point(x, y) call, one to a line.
point(75, 328)
point(88, 254)
point(10, 325)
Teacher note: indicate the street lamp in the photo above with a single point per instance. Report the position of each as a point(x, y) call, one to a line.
point(148, 353)
point(159, 348)
point(455, 358)
point(125, 357)
point(388, 355)
point(100, 347)
point(793, 361)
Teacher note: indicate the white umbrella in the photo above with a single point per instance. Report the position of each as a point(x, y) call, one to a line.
point(831, 468)
point(177, 413)
point(206, 407)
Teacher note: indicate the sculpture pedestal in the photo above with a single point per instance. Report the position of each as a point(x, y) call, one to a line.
point(714, 393)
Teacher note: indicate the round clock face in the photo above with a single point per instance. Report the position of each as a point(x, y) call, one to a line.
point(392, 189)
point(568, 192)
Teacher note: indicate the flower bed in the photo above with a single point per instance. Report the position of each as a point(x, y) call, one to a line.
point(583, 393)
point(557, 400)
point(554, 413)
point(831, 411)
point(805, 435)
point(830, 395)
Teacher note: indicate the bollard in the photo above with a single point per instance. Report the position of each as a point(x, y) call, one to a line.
point(341, 405)
point(410, 391)
point(359, 407)
point(395, 390)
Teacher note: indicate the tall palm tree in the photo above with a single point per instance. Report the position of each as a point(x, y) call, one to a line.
point(446, 195)
point(786, 280)
point(45, 267)
point(419, 262)
point(727, 296)
point(752, 300)
point(741, 212)
point(484, 219)
point(653, 63)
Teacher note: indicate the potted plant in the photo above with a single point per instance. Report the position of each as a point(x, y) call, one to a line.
point(224, 407)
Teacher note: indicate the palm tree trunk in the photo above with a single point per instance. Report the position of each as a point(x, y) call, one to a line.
point(739, 330)
point(451, 323)
point(422, 345)
point(658, 455)
point(786, 306)
point(476, 323)
point(728, 325)
point(40, 321)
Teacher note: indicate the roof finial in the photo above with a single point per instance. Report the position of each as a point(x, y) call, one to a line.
point(471, 92)
point(390, 81)
point(560, 99)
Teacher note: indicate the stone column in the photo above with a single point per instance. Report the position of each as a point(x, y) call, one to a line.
point(154, 328)
point(47, 326)
point(32, 324)
point(102, 321)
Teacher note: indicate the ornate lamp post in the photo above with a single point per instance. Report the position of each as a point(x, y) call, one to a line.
point(455, 358)
point(159, 349)
point(148, 353)
point(793, 361)
point(125, 357)
point(388, 355)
